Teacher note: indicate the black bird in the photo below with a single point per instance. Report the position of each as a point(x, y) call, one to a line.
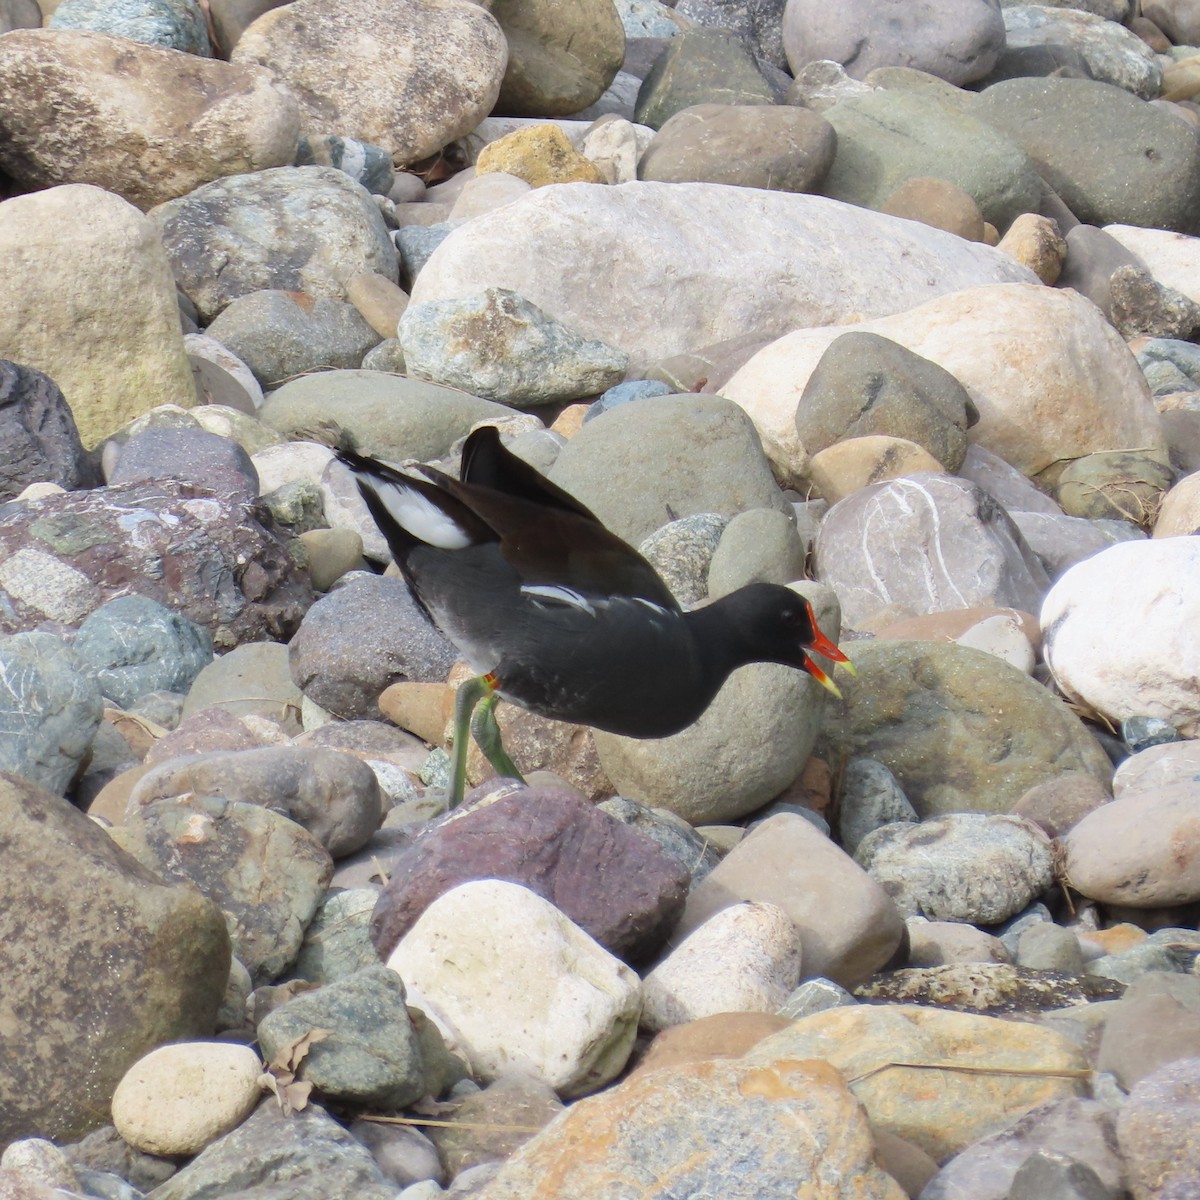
point(556, 612)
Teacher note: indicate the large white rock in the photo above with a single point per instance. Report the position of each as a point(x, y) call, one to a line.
point(514, 984)
point(1172, 258)
point(1051, 378)
point(742, 959)
point(89, 298)
point(662, 268)
point(143, 121)
point(404, 74)
point(1122, 631)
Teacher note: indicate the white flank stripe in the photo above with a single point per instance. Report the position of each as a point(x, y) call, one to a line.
point(658, 608)
point(558, 595)
point(421, 517)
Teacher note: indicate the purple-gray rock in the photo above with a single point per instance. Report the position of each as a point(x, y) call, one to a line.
point(190, 456)
point(266, 873)
point(866, 384)
point(280, 334)
point(101, 963)
point(1158, 1131)
point(617, 883)
point(956, 40)
point(927, 543)
point(335, 796)
point(206, 556)
point(38, 439)
point(302, 229)
point(1083, 1129)
point(133, 646)
point(367, 633)
point(50, 708)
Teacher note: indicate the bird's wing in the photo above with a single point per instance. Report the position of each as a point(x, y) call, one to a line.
point(487, 462)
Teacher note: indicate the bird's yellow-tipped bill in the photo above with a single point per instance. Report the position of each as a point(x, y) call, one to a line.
point(820, 676)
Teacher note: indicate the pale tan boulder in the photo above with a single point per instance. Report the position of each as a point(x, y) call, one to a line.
point(90, 300)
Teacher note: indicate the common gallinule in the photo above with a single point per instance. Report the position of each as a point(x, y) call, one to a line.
point(556, 612)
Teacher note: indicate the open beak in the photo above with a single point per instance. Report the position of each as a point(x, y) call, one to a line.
point(820, 676)
point(821, 645)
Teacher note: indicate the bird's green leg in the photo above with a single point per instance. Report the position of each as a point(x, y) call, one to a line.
point(469, 693)
point(487, 735)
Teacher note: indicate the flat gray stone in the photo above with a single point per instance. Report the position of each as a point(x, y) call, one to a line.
point(279, 334)
point(888, 137)
point(302, 229)
point(1111, 157)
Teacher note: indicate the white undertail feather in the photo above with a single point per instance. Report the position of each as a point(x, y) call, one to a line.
point(420, 516)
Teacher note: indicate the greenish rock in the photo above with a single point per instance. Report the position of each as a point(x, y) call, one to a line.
point(337, 941)
point(101, 962)
point(274, 1155)
point(700, 66)
point(389, 416)
point(760, 545)
point(960, 730)
point(50, 709)
point(1114, 159)
point(254, 679)
point(298, 506)
point(500, 346)
point(1118, 485)
point(889, 137)
point(265, 872)
point(133, 645)
point(1109, 52)
point(249, 432)
point(636, 466)
point(371, 1054)
point(173, 24)
point(866, 384)
point(681, 552)
point(69, 532)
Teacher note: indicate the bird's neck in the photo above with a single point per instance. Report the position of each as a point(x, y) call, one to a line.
point(720, 644)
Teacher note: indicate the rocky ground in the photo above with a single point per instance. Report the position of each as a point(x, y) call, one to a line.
point(897, 304)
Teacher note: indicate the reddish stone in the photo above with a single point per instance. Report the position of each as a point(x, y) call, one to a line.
point(613, 881)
